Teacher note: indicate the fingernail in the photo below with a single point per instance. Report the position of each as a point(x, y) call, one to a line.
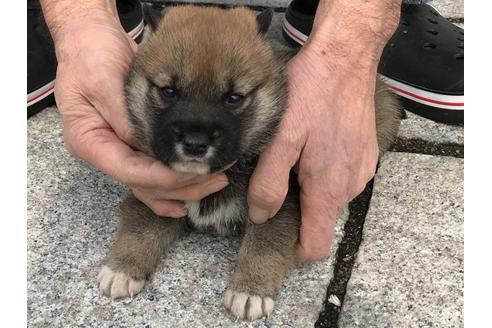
point(258, 215)
point(228, 166)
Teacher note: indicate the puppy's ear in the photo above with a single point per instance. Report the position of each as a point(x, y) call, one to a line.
point(153, 15)
point(264, 19)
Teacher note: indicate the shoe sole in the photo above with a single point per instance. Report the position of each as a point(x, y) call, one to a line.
point(36, 96)
point(426, 99)
point(296, 35)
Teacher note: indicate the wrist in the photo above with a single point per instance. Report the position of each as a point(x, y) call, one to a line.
point(353, 34)
point(63, 17)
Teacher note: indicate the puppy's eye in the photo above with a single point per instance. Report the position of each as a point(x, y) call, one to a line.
point(168, 94)
point(234, 100)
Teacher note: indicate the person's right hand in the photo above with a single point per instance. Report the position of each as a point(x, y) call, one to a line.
point(94, 54)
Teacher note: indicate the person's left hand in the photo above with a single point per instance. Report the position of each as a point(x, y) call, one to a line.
point(331, 135)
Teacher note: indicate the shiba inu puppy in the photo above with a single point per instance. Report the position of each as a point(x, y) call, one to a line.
point(208, 90)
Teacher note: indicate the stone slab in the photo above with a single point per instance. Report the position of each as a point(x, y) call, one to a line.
point(71, 225)
point(418, 127)
point(450, 8)
point(409, 269)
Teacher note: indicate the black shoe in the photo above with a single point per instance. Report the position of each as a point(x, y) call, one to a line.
point(41, 60)
point(131, 17)
point(422, 63)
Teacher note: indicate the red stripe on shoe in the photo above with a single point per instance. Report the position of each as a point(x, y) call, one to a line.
point(47, 89)
point(137, 30)
point(433, 99)
point(40, 93)
point(291, 31)
point(426, 99)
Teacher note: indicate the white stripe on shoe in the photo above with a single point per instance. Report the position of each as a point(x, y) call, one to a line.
point(301, 38)
point(41, 93)
point(135, 33)
point(294, 33)
point(47, 89)
point(452, 102)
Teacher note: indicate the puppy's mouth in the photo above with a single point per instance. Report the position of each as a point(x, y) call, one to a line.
point(186, 163)
point(192, 166)
point(189, 163)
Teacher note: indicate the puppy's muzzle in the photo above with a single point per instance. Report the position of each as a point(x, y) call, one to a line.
point(195, 142)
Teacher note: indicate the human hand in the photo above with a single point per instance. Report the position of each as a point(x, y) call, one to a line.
point(331, 135)
point(328, 131)
point(94, 54)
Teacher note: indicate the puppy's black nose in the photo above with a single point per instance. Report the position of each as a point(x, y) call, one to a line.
point(195, 143)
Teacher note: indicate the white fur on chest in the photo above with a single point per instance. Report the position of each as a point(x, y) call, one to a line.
point(225, 215)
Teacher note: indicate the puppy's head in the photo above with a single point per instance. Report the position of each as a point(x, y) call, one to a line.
point(206, 88)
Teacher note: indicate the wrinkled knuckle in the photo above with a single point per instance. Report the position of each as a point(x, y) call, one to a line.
point(289, 140)
point(267, 195)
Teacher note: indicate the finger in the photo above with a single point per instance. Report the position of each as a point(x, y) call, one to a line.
point(359, 183)
point(180, 179)
point(104, 89)
point(103, 149)
point(166, 208)
point(318, 223)
point(199, 191)
point(116, 113)
point(270, 180)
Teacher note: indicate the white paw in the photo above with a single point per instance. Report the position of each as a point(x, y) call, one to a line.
point(118, 284)
point(246, 306)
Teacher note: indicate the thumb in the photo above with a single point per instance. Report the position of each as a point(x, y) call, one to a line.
point(270, 180)
point(112, 106)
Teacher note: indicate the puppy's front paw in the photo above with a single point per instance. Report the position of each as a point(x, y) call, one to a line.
point(118, 284)
point(246, 306)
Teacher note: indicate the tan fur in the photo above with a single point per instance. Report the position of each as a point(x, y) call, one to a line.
point(190, 42)
point(205, 47)
point(141, 240)
point(196, 28)
point(387, 116)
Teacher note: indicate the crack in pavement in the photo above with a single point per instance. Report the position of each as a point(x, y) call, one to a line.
point(353, 229)
point(419, 146)
point(345, 258)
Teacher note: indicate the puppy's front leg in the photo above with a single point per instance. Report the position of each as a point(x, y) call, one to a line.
point(267, 253)
point(141, 240)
